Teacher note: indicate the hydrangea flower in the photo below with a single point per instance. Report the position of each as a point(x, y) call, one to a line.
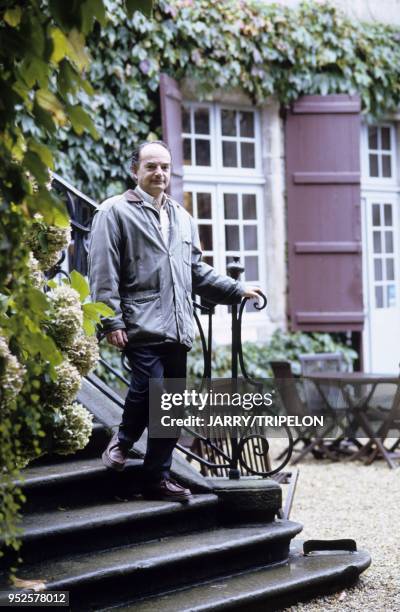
point(67, 385)
point(72, 429)
point(12, 374)
point(67, 316)
point(36, 274)
point(83, 353)
point(47, 241)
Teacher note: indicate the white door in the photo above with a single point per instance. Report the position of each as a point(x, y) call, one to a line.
point(383, 282)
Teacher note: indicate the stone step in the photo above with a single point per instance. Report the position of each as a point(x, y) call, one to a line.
point(56, 533)
point(111, 576)
point(77, 482)
point(265, 589)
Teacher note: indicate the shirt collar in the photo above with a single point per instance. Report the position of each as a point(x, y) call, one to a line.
point(148, 198)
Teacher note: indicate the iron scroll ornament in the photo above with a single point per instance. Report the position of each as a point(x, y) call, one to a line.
point(257, 442)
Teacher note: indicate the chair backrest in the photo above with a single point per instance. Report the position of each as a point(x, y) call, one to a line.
point(287, 387)
point(312, 363)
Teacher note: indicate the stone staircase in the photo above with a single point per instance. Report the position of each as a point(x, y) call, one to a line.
point(86, 530)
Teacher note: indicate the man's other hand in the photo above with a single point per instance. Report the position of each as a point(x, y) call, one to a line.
point(253, 292)
point(117, 338)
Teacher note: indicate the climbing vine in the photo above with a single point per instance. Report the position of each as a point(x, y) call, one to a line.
point(263, 49)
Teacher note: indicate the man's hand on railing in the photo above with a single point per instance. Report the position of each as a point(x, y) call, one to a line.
point(117, 338)
point(253, 292)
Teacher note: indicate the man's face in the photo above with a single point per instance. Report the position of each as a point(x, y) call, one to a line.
point(154, 169)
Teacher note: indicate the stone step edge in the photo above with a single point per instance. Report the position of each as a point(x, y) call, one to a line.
point(72, 474)
point(132, 516)
point(288, 531)
point(285, 594)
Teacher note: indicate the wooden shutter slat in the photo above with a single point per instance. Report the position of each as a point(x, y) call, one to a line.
point(328, 247)
point(317, 178)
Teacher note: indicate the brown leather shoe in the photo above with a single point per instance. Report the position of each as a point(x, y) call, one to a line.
point(166, 490)
point(114, 457)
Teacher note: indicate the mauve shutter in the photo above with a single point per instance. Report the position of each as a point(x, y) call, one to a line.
point(324, 219)
point(171, 121)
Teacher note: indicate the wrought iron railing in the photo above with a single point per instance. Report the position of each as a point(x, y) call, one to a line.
point(247, 454)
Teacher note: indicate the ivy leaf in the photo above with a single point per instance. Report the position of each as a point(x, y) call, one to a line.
point(13, 16)
point(77, 50)
point(80, 284)
point(50, 103)
point(42, 151)
point(144, 6)
point(80, 121)
point(35, 165)
point(61, 45)
point(91, 9)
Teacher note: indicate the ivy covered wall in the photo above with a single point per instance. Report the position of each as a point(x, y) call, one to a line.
point(263, 49)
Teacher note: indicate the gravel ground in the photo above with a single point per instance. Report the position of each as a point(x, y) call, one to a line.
point(340, 500)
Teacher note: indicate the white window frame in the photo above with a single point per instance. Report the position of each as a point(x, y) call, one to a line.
point(218, 180)
point(217, 172)
point(369, 201)
point(378, 181)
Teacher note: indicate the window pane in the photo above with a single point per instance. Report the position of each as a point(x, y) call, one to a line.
point(209, 259)
point(391, 296)
point(372, 137)
point(203, 157)
point(187, 152)
point(201, 121)
point(250, 237)
point(188, 201)
point(389, 242)
point(251, 268)
point(377, 242)
point(386, 166)
point(231, 210)
point(376, 216)
point(249, 206)
point(247, 151)
point(373, 165)
point(186, 120)
point(246, 125)
point(204, 205)
point(388, 214)
point(385, 138)
point(378, 269)
point(390, 269)
point(206, 241)
point(232, 237)
point(228, 123)
point(229, 154)
point(379, 297)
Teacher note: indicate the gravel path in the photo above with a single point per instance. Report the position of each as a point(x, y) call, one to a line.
point(339, 500)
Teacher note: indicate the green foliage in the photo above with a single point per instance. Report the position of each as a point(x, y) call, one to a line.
point(281, 346)
point(285, 346)
point(263, 49)
point(44, 65)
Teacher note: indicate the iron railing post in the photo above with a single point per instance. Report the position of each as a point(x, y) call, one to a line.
point(235, 269)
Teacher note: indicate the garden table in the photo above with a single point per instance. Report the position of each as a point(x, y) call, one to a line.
point(358, 390)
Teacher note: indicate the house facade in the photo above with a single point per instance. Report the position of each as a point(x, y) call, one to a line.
point(306, 197)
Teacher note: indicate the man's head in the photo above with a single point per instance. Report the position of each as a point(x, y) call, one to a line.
point(151, 167)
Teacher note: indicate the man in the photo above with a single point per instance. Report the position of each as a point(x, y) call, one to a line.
point(144, 262)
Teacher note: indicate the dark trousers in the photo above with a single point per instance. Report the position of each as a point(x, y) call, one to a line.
point(162, 361)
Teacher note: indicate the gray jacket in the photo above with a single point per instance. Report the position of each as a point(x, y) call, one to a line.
point(147, 283)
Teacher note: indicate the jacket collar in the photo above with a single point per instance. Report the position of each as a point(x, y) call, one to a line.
point(132, 196)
